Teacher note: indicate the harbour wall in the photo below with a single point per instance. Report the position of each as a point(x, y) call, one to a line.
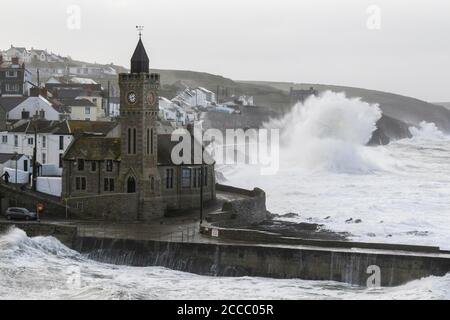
point(236, 260)
point(343, 264)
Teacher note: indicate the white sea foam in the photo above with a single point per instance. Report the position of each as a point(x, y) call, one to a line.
point(41, 268)
point(328, 133)
point(399, 192)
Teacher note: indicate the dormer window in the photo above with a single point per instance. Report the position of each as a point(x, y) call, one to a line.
point(25, 114)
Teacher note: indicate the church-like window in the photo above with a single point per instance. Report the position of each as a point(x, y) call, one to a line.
point(196, 174)
point(151, 140)
point(131, 185)
point(148, 141)
point(186, 177)
point(134, 141)
point(169, 178)
point(129, 140)
point(108, 184)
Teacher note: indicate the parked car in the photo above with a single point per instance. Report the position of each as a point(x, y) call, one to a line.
point(20, 213)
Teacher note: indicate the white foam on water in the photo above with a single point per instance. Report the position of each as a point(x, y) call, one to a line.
point(43, 268)
point(329, 176)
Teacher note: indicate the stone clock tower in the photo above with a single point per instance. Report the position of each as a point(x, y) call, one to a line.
point(139, 106)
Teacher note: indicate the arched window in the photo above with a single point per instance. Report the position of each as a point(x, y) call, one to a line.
point(131, 185)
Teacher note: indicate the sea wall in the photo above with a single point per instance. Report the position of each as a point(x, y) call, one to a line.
point(65, 234)
point(307, 263)
point(249, 209)
point(14, 197)
point(350, 265)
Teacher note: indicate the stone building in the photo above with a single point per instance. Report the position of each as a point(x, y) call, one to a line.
point(132, 176)
point(300, 95)
point(14, 78)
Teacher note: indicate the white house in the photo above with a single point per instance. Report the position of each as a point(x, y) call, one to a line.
point(25, 109)
point(13, 161)
point(81, 109)
point(39, 55)
point(22, 53)
point(199, 97)
point(210, 96)
point(52, 138)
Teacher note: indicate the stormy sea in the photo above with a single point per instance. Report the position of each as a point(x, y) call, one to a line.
point(398, 193)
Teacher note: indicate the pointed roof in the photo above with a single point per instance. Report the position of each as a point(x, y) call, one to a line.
point(140, 61)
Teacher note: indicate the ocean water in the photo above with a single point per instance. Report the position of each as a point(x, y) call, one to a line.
point(399, 192)
point(43, 268)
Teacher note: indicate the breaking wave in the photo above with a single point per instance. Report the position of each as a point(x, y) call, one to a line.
point(427, 131)
point(329, 133)
point(43, 268)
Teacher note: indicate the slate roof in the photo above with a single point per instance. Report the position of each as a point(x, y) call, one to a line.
point(101, 148)
point(66, 127)
point(101, 127)
point(139, 60)
point(9, 103)
point(94, 148)
point(4, 157)
point(76, 102)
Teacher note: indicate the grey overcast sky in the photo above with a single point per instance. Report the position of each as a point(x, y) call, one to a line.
point(317, 41)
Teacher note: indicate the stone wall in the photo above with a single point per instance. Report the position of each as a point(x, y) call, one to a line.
point(14, 197)
point(65, 234)
point(308, 263)
point(111, 207)
point(245, 210)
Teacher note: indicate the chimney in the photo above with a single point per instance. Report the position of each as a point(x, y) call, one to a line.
point(15, 61)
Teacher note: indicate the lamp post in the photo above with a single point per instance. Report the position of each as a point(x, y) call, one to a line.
point(16, 155)
point(201, 192)
point(34, 182)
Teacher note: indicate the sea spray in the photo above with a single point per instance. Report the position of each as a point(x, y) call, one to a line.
point(328, 132)
point(426, 131)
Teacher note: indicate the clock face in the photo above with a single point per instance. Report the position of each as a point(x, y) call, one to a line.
point(151, 98)
point(131, 97)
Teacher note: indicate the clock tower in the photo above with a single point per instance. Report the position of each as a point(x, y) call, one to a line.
point(139, 106)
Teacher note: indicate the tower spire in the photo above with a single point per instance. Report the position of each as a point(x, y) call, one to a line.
point(139, 60)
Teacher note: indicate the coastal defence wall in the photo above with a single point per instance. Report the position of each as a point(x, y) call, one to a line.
point(308, 263)
point(65, 234)
point(12, 196)
point(353, 265)
point(249, 209)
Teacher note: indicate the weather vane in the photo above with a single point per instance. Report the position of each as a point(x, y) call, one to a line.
point(140, 29)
